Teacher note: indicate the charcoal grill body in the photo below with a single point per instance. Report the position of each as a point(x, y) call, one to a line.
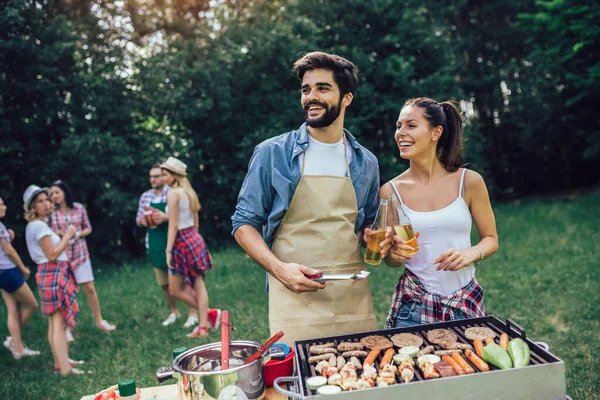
point(544, 378)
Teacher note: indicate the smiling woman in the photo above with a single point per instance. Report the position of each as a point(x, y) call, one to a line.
point(442, 200)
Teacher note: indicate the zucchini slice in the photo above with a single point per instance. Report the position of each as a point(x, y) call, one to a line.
point(315, 382)
point(329, 389)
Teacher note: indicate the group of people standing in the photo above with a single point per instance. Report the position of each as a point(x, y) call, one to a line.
point(55, 237)
point(311, 194)
point(169, 210)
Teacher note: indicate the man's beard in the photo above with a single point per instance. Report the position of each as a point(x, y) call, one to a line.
point(330, 115)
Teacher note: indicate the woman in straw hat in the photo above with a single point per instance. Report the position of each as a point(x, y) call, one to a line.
point(55, 280)
point(188, 257)
point(19, 300)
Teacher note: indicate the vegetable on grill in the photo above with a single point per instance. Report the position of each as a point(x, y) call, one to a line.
point(496, 355)
point(519, 352)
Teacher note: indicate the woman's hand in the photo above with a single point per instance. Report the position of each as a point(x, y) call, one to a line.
point(11, 235)
point(400, 251)
point(453, 260)
point(71, 231)
point(26, 272)
point(169, 259)
point(387, 243)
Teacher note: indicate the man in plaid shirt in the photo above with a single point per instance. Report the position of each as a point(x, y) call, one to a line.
point(158, 194)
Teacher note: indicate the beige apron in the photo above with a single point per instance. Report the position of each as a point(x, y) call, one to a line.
point(318, 231)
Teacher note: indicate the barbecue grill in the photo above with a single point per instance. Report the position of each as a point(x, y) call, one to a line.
point(544, 378)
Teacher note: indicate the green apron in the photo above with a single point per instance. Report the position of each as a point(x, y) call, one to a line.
point(157, 240)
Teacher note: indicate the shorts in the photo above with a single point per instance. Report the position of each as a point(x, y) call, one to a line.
point(83, 272)
point(162, 276)
point(410, 315)
point(11, 280)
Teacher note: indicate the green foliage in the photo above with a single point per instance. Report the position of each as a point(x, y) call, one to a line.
point(95, 92)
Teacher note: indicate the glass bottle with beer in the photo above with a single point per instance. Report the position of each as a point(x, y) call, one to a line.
point(402, 225)
point(373, 252)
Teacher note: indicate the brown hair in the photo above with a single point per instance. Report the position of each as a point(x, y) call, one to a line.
point(445, 114)
point(345, 73)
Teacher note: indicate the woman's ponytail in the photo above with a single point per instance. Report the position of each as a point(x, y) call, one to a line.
point(451, 142)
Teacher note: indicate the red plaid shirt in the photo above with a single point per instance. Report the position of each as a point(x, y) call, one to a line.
point(78, 251)
point(436, 307)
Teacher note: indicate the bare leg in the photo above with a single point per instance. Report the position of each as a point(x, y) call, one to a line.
point(92, 298)
point(51, 339)
point(202, 296)
point(58, 342)
point(172, 301)
point(177, 289)
point(17, 317)
point(192, 311)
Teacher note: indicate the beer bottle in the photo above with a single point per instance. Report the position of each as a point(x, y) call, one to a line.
point(373, 252)
point(402, 225)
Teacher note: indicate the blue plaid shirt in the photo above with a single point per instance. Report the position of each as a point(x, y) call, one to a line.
point(274, 172)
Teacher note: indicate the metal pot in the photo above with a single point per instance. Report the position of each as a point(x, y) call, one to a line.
point(199, 375)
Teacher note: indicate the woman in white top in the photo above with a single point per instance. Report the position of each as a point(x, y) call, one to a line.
point(188, 257)
point(442, 200)
point(56, 284)
point(17, 295)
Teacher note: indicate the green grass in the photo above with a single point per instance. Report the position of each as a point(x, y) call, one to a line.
point(545, 277)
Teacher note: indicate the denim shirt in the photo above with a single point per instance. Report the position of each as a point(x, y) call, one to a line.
point(273, 174)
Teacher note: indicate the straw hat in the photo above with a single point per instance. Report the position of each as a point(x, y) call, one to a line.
point(174, 165)
point(30, 193)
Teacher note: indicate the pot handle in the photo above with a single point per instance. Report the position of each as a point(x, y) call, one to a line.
point(164, 373)
point(279, 389)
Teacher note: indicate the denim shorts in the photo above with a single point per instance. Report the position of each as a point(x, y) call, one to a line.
point(11, 280)
point(410, 315)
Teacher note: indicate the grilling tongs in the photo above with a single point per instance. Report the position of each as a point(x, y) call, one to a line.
point(338, 277)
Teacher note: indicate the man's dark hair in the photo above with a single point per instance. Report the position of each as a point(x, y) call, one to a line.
point(157, 165)
point(345, 73)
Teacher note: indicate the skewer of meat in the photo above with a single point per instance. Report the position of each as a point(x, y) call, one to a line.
point(429, 371)
point(407, 371)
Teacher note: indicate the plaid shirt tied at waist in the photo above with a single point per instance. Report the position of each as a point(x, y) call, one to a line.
point(57, 289)
point(435, 307)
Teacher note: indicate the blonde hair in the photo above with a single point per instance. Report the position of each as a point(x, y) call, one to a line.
point(30, 213)
point(180, 181)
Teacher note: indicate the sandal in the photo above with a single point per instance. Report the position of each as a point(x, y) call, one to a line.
point(199, 331)
point(72, 363)
point(105, 326)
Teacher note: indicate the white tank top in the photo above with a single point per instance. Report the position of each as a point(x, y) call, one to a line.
point(186, 219)
point(440, 230)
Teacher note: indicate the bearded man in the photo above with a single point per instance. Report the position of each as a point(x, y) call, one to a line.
point(311, 193)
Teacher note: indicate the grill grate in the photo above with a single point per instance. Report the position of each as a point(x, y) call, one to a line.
point(538, 355)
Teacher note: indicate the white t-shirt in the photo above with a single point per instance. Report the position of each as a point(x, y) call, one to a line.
point(5, 262)
point(35, 231)
point(326, 158)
